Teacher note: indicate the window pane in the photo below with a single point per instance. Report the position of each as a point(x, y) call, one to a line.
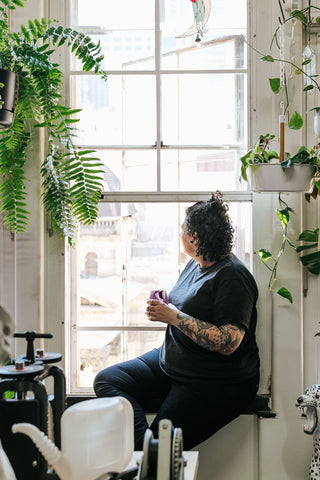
point(133, 170)
point(219, 53)
point(153, 255)
point(141, 342)
point(204, 109)
point(125, 30)
point(122, 50)
point(222, 45)
point(201, 170)
point(119, 111)
point(113, 15)
point(96, 350)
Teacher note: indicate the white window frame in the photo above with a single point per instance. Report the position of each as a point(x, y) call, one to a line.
point(72, 305)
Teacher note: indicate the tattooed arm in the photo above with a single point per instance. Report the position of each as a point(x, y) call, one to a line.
point(225, 339)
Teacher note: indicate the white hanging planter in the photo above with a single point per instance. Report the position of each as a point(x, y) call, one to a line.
point(271, 177)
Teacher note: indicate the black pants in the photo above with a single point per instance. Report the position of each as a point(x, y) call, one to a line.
point(200, 410)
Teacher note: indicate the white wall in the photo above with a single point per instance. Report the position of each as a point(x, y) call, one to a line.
point(32, 289)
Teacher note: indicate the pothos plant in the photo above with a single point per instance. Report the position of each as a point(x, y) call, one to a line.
point(260, 153)
point(308, 250)
point(71, 179)
point(280, 86)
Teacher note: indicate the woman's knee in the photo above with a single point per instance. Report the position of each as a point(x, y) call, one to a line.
point(102, 383)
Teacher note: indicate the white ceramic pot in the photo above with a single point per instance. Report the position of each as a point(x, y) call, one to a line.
point(271, 177)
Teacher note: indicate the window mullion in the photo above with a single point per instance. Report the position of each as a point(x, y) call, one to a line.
point(158, 90)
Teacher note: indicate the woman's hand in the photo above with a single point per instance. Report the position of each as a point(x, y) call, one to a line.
point(158, 311)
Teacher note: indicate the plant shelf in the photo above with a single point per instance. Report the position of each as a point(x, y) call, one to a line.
point(271, 177)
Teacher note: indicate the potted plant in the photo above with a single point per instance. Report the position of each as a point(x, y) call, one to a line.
point(267, 174)
point(261, 158)
point(71, 179)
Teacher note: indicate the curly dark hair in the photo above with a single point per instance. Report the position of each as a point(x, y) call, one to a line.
point(210, 224)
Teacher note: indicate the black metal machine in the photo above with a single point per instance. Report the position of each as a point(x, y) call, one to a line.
point(24, 398)
point(162, 458)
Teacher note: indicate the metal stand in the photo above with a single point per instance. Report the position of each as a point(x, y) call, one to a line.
point(24, 398)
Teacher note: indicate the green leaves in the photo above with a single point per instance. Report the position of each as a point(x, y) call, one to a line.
point(312, 260)
point(299, 15)
point(267, 58)
point(12, 4)
point(296, 121)
point(260, 153)
point(272, 262)
point(284, 216)
point(275, 85)
point(283, 292)
point(71, 180)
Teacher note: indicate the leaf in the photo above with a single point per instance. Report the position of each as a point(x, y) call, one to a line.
point(264, 254)
point(306, 62)
point(275, 84)
point(299, 15)
point(284, 292)
point(309, 235)
point(267, 58)
point(306, 247)
point(312, 262)
point(296, 121)
point(308, 87)
point(284, 217)
point(272, 154)
point(25, 33)
point(19, 3)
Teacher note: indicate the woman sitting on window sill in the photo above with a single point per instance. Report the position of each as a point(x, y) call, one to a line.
point(207, 369)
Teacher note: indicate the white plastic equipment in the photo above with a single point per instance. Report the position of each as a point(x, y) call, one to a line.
point(97, 436)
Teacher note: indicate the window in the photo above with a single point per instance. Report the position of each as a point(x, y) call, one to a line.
point(169, 125)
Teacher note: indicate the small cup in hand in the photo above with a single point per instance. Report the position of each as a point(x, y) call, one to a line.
point(159, 295)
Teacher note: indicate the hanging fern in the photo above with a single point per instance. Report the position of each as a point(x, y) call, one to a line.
point(71, 179)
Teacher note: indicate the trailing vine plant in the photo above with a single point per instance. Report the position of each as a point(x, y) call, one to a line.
point(309, 248)
point(71, 179)
point(295, 121)
point(260, 153)
point(283, 213)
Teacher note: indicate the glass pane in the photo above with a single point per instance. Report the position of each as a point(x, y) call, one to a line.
point(201, 170)
point(152, 256)
point(119, 111)
point(133, 170)
point(241, 216)
point(141, 342)
point(204, 109)
point(113, 15)
point(96, 350)
point(125, 30)
point(222, 45)
point(123, 50)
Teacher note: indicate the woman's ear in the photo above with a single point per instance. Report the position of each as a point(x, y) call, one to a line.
point(194, 238)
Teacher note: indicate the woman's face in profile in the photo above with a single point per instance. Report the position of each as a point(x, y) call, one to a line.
point(187, 241)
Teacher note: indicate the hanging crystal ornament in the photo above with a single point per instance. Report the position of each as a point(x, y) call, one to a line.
point(308, 59)
point(282, 64)
point(309, 68)
point(292, 48)
point(201, 12)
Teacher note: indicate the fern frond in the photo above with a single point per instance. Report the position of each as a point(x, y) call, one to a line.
point(13, 147)
point(71, 180)
point(56, 198)
point(85, 175)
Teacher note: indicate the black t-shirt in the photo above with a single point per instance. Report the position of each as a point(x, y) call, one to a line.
point(224, 293)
